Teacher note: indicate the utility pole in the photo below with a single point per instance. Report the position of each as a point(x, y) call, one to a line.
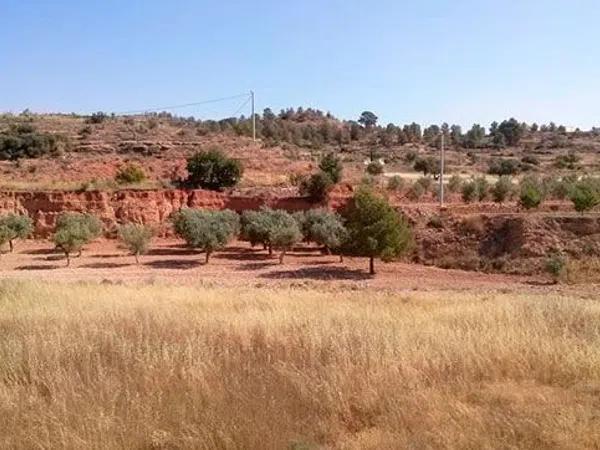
point(253, 117)
point(442, 173)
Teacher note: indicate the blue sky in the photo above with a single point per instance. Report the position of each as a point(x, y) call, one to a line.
point(460, 61)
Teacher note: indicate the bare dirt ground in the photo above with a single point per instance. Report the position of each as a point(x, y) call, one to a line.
point(241, 265)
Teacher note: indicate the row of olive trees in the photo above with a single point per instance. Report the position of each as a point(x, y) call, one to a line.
point(369, 227)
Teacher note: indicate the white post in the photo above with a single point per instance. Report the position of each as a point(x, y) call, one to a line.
point(442, 173)
point(253, 118)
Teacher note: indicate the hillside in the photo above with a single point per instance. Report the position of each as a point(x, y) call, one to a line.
point(78, 152)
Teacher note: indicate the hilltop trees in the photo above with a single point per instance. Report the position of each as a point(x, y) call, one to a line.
point(375, 229)
point(213, 170)
point(73, 231)
point(368, 119)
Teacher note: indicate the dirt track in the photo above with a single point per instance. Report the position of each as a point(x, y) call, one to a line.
point(241, 265)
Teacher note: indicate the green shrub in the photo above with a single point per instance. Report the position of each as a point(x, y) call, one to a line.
point(425, 182)
point(530, 159)
point(531, 193)
point(213, 170)
point(130, 174)
point(502, 189)
point(375, 229)
point(475, 190)
point(374, 168)
point(395, 183)
point(136, 238)
point(557, 188)
point(16, 226)
point(455, 183)
point(416, 191)
point(74, 231)
point(585, 195)
point(429, 165)
point(555, 266)
point(568, 161)
point(332, 166)
point(206, 230)
point(22, 141)
point(504, 167)
point(317, 186)
point(97, 118)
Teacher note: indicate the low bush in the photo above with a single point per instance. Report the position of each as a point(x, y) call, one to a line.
point(531, 193)
point(416, 191)
point(555, 265)
point(585, 194)
point(502, 189)
point(130, 174)
point(317, 186)
point(425, 182)
point(455, 183)
point(97, 118)
point(374, 168)
point(504, 167)
point(396, 183)
point(23, 141)
point(475, 189)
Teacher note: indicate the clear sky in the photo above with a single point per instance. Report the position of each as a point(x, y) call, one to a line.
point(460, 61)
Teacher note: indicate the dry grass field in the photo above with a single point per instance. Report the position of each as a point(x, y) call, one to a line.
point(160, 366)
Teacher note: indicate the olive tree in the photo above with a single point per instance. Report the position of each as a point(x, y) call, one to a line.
point(375, 229)
point(74, 231)
point(206, 230)
point(324, 228)
point(274, 229)
point(136, 238)
point(18, 227)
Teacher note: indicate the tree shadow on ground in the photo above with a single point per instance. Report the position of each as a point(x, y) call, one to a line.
point(172, 251)
point(245, 255)
point(256, 265)
point(181, 264)
point(37, 267)
point(40, 251)
point(319, 273)
point(540, 283)
point(102, 265)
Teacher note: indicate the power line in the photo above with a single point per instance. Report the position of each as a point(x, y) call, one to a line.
point(241, 107)
point(163, 108)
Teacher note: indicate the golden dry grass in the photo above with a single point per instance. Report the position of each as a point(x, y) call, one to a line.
point(164, 367)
